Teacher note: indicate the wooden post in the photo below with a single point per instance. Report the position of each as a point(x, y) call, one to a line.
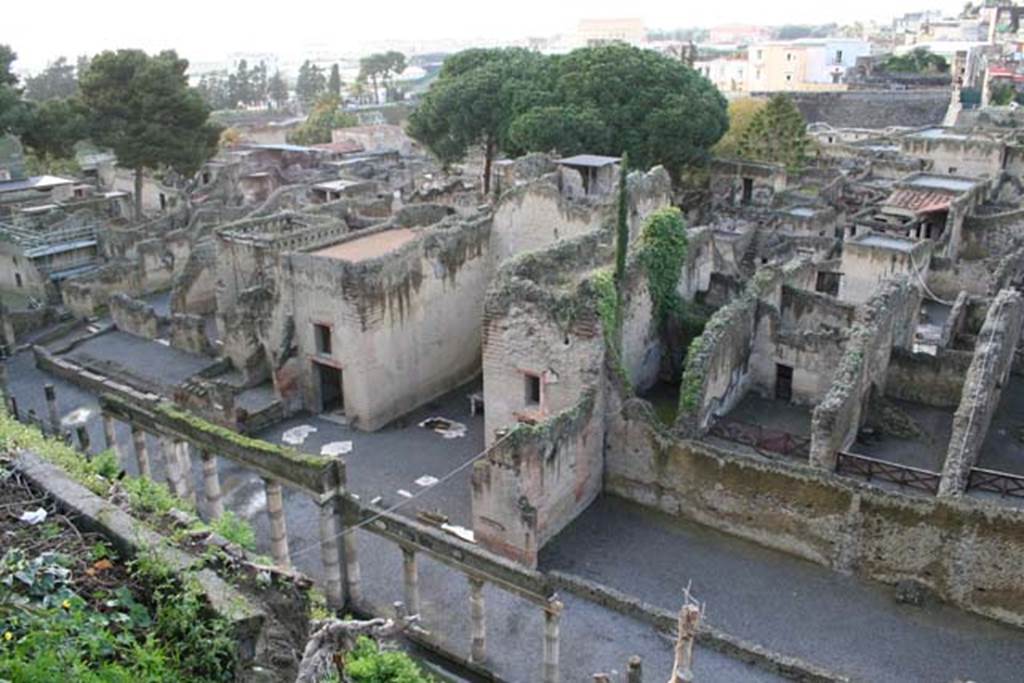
point(278, 529)
point(211, 485)
point(635, 670)
point(110, 435)
point(141, 454)
point(410, 573)
point(330, 553)
point(477, 620)
point(13, 402)
point(552, 617)
point(51, 406)
point(689, 621)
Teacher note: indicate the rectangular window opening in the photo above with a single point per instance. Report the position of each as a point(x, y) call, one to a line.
point(532, 389)
point(322, 335)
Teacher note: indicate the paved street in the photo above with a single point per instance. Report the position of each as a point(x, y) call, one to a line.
point(782, 602)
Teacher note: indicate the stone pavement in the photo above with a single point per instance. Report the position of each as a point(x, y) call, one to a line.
point(787, 604)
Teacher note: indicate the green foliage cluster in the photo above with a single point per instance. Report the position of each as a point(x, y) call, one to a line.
point(235, 529)
point(741, 114)
point(663, 248)
point(59, 80)
point(95, 474)
point(49, 631)
point(368, 663)
point(310, 85)
point(1004, 93)
point(778, 134)
point(325, 117)
point(918, 61)
point(603, 282)
point(380, 69)
point(602, 100)
point(244, 86)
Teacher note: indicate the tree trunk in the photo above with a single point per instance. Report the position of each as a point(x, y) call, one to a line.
point(488, 158)
point(376, 94)
point(138, 193)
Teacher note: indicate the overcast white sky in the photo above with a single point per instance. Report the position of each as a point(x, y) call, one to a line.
point(212, 29)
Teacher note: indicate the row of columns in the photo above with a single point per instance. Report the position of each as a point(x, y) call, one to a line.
point(176, 455)
point(338, 548)
point(477, 616)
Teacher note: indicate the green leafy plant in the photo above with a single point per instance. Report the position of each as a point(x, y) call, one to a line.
point(367, 663)
point(235, 529)
point(662, 254)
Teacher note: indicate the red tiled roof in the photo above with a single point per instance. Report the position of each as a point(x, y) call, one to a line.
point(918, 202)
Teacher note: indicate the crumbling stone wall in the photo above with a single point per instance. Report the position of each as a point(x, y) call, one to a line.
point(888, 319)
point(865, 266)
point(79, 298)
point(923, 378)
point(540, 322)
point(955, 547)
point(988, 374)
point(538, 479)
point(992, 235)
point(188, 333)
point(954, 324)
point(532, 216)
point(958, 155)
point(134, 316)
point(732, 178)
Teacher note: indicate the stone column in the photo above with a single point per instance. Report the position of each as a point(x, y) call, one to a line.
point(141, 454)
point(352, 577)
point(278, 529)
point(211, 485)
point(552, 617)
point(635, 670)
point(183, 452)
point(412, 581)
point(331, 554)
point(169, 454)
point(83, 439)
point(477, 621)
point(51, 407)
point(110, 435)
point(3, 385)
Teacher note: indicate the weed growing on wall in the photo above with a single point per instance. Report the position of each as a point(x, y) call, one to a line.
point(663, 248)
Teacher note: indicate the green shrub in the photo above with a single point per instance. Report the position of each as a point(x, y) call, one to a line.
point(235, 529)
point(367, 663)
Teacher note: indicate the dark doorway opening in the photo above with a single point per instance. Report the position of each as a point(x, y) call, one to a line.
point(783, 382)
point(748, 190)
point(332, 397)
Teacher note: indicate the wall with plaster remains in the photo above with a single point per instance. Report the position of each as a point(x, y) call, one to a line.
point(865, 265)
point(955, 547)
point(888, 319)
point(923, 378)
point(134, 316)
point(405, 325)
